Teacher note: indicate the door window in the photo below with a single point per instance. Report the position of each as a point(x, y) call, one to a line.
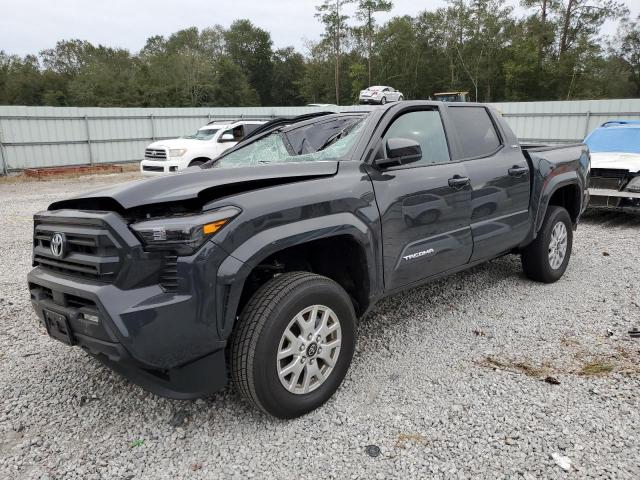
point(425, 127)
point(478, 135)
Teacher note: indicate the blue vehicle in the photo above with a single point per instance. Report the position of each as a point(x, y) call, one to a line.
point(615, 166)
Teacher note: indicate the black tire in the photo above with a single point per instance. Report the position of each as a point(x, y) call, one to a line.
point(196, 163)
point(535, 257)
point(400, 98)
point(256, 339)
point(383, 101)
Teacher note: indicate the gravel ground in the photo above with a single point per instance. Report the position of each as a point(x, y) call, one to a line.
point(448, 381)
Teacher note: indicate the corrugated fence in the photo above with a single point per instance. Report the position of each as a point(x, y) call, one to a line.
point(57, 136)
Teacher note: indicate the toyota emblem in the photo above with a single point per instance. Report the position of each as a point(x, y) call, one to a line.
point(58, 245)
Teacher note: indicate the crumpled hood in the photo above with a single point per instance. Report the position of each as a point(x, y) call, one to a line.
point(623, 161)
point(200, 183)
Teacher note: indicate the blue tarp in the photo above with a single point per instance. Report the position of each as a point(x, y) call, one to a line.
point(623, 136)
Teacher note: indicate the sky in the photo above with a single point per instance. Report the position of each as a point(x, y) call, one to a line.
point(29, 26)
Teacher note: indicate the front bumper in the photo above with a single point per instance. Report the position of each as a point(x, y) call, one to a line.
point(614, 200)
point(129, 336)
point(153, 319)
point(159, 167)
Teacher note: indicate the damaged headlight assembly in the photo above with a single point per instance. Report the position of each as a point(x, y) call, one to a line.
point(184, 235)
point(634, 185)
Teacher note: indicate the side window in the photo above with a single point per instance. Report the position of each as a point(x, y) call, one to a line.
point(476, 131)
point(238, 133)
point(425, 127)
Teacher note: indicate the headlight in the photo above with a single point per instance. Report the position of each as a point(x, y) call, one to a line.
point(184, 235)
point(178, 152)
point(634, 185)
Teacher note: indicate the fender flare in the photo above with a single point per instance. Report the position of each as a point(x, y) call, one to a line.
point(552, 186)
point(233, 272)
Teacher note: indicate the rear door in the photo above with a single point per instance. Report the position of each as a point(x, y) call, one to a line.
point(500, 180)
point(425, 207)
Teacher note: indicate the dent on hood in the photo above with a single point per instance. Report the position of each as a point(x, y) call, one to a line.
point(188, 193)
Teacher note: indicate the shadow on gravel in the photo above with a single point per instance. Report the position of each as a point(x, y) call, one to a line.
point(611, 219)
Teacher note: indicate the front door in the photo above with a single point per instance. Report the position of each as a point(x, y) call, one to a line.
point(425, 207)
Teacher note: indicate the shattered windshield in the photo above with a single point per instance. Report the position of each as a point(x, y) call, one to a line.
point(321, 141)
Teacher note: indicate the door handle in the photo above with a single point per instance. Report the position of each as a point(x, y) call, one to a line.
point(459, 182)
point(517, 171)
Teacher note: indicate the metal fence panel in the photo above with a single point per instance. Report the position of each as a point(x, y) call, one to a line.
point(57, 136)
point(568, 121)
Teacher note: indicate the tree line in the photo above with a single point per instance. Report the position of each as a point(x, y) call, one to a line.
point(554, 51)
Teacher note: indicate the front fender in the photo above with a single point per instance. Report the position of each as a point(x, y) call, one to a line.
point(234, 271)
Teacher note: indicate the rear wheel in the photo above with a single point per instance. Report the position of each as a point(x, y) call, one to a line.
point(293, 344)
point(400, 98)
point(546, 258)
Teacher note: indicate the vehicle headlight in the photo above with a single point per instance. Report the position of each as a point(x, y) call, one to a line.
point(634, 185)
point(177, 152)
point(184, 235)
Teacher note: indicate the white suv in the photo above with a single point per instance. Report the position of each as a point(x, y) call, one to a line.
point(166, 156)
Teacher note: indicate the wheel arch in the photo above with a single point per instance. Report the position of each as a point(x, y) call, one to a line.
point(563, 191)
point(333, 239)
point(199, 159)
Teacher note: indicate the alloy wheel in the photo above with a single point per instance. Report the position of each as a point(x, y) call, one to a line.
point(308, 349)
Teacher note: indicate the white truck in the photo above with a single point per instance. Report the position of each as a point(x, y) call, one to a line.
point(171, 155)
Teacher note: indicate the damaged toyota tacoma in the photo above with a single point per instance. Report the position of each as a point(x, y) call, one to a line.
point(256, 267)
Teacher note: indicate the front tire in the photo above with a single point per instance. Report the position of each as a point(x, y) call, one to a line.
point(293, 344)
point(546, 258)
point(383, 101)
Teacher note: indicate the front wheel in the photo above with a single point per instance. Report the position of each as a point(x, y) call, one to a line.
point(546, 258)
point(293, 344)
point(400, 98)
point(383, 101)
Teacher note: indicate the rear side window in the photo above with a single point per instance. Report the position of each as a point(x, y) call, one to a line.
point(476, 131)
point(425, 127)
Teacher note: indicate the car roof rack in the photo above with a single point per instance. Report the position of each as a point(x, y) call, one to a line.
point(227, 121)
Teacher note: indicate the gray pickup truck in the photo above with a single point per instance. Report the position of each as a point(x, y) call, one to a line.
point(258, 265)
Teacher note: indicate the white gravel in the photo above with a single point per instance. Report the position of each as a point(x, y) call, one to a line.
point(448, 380)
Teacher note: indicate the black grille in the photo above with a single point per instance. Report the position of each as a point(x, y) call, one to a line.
point(169, 273)
point(608, 178)
point(90, 250)
point(155, 154)
point(606, 183)
point(151, 168)
point(609, 172)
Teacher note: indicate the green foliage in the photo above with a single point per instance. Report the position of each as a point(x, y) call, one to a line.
point(555, 51)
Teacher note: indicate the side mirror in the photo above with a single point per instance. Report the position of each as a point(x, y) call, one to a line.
point(227, 137)
point(400, 151)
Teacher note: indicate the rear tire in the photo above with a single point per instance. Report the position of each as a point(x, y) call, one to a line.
point(546, 258)
point(400, 98)
point(277, 360)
